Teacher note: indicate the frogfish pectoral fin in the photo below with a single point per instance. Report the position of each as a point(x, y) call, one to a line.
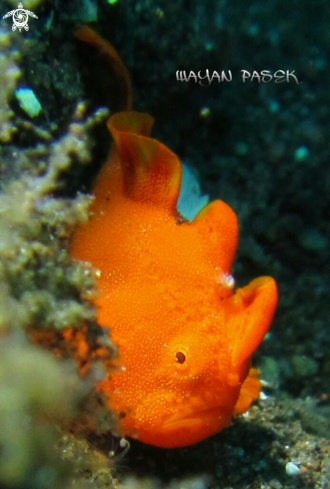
point(250, 390)
point(151, 172)
point(251, 312)
point(218, 228)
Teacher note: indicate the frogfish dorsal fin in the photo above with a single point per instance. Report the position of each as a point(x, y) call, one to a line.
point(151, 172)
point(218, 228)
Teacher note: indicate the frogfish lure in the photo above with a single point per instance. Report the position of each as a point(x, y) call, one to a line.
point(185, 335)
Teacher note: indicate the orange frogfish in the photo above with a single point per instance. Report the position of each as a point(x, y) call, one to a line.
point(185, 334)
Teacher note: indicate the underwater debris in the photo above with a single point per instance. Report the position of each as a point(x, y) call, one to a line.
point(28, 101)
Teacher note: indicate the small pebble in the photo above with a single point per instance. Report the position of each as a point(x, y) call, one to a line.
point(292, 469)
point(28, 101)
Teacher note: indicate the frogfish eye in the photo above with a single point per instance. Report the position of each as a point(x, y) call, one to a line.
point(180, 357)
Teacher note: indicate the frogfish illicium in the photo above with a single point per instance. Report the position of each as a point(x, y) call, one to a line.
point(185, 334)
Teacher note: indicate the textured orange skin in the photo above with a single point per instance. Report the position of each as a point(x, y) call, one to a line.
point(164, 289)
